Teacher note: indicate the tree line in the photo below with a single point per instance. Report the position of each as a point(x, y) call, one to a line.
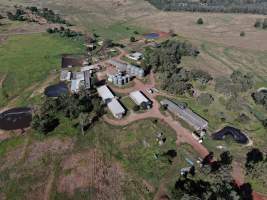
point(64, 32)
point(22, 14)
point(165, 62)
point(225, 6)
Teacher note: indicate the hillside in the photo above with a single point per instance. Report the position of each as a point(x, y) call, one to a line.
point(226, 6)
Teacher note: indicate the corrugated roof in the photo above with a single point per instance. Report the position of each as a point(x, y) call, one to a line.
point(105, 93)
point(115, 107)
point(138, 97)
point(186, 114)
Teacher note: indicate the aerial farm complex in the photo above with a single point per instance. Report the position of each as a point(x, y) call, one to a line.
point(133, 99)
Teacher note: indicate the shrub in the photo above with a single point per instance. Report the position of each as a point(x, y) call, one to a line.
point(200, 21)
point(242, 34)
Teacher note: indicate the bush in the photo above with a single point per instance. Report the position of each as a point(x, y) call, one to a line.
point(258, 23)
point(242, 34)
point(132, 39)
point(205, 99)
point(200, 21)
point(136, 108)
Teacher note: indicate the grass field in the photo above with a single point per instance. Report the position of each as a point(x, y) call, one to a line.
point(133, 147)
point(27, 60)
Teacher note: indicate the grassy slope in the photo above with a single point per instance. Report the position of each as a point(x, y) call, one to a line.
point(124, 144)
point(28, 60)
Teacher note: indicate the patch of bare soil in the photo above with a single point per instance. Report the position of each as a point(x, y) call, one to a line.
point(53, 145)
point(90, 169)
point(12, 157)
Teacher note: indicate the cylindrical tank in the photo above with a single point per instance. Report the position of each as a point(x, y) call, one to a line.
point(120, 81)
point(141, 73)
point(115, 80)
point(124, 79)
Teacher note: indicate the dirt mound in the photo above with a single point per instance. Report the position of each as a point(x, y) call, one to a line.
point(91, 170)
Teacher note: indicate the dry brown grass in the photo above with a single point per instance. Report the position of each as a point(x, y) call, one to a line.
point(90, 169)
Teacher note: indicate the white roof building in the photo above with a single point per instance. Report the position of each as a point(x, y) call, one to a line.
point(116, 108)
point(139, 98)
point(105, 93)
point(135, 56)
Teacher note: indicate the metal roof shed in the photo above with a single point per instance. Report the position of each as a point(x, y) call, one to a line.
point(139, 98)
point(105, 93)
point(186, 114)
point(116, 108)
point(75, 86)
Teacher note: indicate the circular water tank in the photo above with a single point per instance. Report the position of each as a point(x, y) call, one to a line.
point(115, 80)
point(141, 73)
point(119, 81)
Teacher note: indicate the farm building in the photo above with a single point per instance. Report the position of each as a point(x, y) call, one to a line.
point(65, 75)
point(78, 76)
point(135, 56)
point(87, 79)
point(90, 67)
point(116, 108)
point(132, 70)
point(197, 122)
point(75, 85)
point(140, 99)
point(105, 93)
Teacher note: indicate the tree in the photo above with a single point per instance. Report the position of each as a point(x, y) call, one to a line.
point(107, 43)
point(44, 123)
point(200, 21)
point(132, 39)
point(83, 121)
point(258, 23)
point(136, 108)
point(264, 24)
point(242, 34)
point(226, 158)
point(254, 156)
point(205, 99)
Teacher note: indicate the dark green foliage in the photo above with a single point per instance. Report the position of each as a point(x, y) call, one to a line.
point(258, 23)
point(64, 32)
point(254, 156)
point(238, 82)
point(165, 61)
point(200, 21)
point(260, 97)
point(84, 107)
point(264, 24)
point(46, 13)
point(132, 39)
point(136, 108)
point(200, 75)
point(242, 34)
point(243, 118)
point(205, 99)
point(226, 6)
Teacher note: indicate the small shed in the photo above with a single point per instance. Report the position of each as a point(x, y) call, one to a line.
point(116, 108)
point(139, 98)
point(87, 79)
point(105, 93)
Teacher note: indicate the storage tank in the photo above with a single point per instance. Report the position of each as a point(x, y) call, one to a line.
point(115, 80)
point(119, 81)
point(124, 80)
point(128, 78)
point(141, 73)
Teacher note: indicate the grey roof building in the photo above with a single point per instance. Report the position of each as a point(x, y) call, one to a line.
point(87, 79)
point(105, 93)
point(193, 119)
point(139, 98)
point(65, 75)
point(116, 108)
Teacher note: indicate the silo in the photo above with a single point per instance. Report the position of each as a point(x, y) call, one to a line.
point(115, 80)
point(119, 81)
point(128, 78)
point(141, 73)
point(124, 79)
point(136, 71)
